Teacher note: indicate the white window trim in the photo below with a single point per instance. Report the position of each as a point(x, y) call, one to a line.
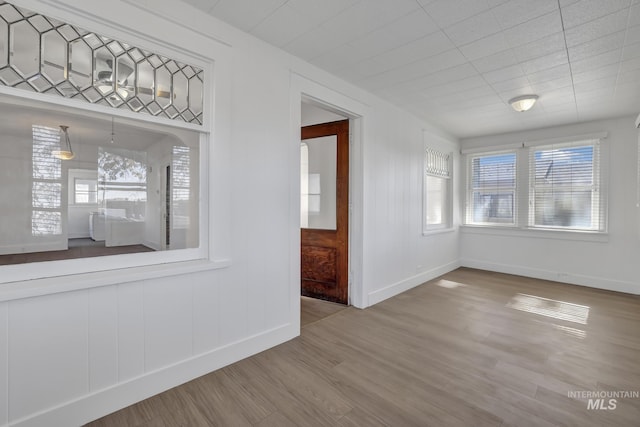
point(23, 280)
point(521, 227)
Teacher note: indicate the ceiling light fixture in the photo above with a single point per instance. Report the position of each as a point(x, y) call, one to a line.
point(523, 103)
point(65, 153)
point(112, 130)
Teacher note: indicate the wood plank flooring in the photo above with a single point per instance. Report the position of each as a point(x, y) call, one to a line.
point(78, 248)
point(471, 348)
point(313, 310)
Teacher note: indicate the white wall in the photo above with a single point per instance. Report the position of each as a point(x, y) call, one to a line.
point(70, 357)
point(609, 263)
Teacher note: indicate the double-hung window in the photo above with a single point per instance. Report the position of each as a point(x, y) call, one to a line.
point(492, 189)
point(545, 185)
point(565, 186)
point(437, 190)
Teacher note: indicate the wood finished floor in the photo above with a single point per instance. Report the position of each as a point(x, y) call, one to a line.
point(78, 248)
point(471, 348)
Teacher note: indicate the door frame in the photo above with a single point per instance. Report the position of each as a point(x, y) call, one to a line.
point(303, 89)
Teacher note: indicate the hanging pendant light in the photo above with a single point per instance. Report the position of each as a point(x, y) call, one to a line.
point(113, 134)
point(65, 152)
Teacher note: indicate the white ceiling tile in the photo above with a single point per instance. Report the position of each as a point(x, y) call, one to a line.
point(511, 84)
point(365, 68)
point(406, 29)
point(634, 15)
point(633, 35)
point(365, 17)
point(496, 61)
point(596, 61)
point(630, 65)
point(473, 28)
point(604, 44)
point(449, 12)
point(320, 11)
point(598, 73)
point(552, 73)
point(461, 77)
point(506, 73)
point(545, 62)
point(541, 47)
point(204, 5)
point(314, 43)
point(417, 69)
point(565, 3)
point(630, 51)
point(484, 47)
point(534, 29)
point(245, 14)
point(494, 3)
point(587, 10)
point(282, 26)
point(516, 12)
point(462, 85)
point(452, 74)
point(612, 23)
point(424, 47)
point(337, 58)
point(552, 85)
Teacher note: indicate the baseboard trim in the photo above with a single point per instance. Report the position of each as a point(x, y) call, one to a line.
point(96, 405)
point(411, 282)
point(563, 277)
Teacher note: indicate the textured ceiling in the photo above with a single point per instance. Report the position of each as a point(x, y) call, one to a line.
point(456, 63)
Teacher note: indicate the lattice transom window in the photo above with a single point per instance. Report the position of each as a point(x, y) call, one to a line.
point(44, 55)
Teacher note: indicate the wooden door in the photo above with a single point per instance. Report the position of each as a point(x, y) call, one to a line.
point(325, 251)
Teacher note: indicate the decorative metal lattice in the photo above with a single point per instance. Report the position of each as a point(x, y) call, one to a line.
point(44, 55)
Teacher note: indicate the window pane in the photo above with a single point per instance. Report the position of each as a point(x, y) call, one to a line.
point(493, 207)
point(564, 187)
point(318, 165)
point(493, 189)
point(86, 191)
point(563, 208)
point(436, 203)
point(497, 171)
point(52, 204)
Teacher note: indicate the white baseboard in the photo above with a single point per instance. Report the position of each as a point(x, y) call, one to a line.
point(60, 245)
point(411, 282)
point(98, 404)
point(563, 277)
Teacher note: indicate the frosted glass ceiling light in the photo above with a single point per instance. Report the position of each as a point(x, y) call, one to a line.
point(523, 103)
point(65, 152)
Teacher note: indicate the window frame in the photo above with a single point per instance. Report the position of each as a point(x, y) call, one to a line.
point(522, 225)
point(445, 173)
point(469, 192)
point(598, 206)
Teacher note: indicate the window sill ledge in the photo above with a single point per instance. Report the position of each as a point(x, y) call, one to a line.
point(438, 231)
point(537, 233)
point(53, 285)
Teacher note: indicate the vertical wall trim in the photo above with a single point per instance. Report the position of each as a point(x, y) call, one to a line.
point(5, 366)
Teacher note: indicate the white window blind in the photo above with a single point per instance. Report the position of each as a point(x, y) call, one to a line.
point(437, 189)
point(492, 189)
point(565, 189)
point(46, 188)
point(437, 163)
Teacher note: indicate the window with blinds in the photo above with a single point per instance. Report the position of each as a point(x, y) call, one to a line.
point(437, 190)
point(46, 185)
point(492, 189)
point(565, 186)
